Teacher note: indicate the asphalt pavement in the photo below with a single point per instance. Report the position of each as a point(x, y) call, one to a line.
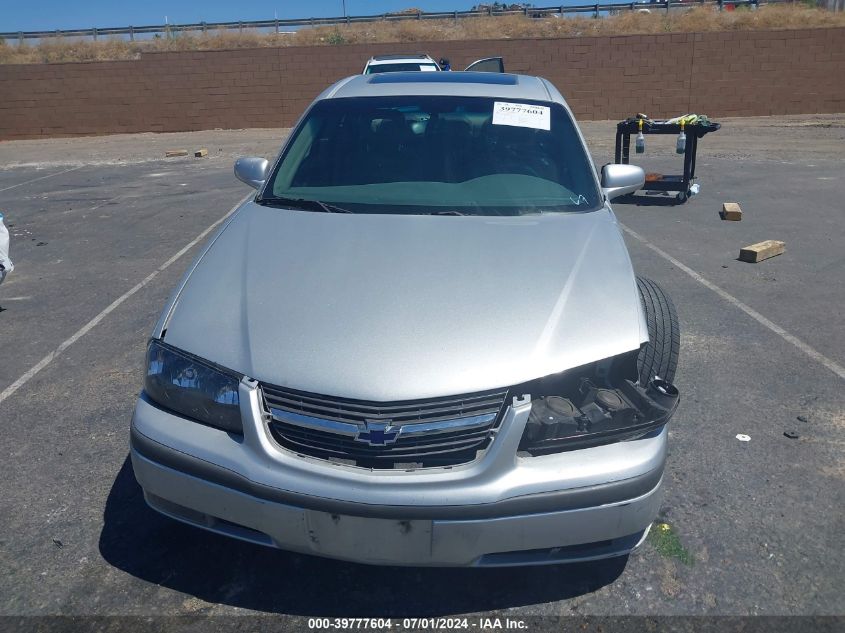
point(746, 528)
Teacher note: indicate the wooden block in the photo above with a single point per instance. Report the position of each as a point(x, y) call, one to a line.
point(731, 211)
point(760, 251)
point(201, 152)
point(175, 152)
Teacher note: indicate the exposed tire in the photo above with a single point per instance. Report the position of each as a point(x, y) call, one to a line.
point(658, 357)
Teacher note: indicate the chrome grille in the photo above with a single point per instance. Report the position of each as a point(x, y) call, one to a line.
point(412, 434)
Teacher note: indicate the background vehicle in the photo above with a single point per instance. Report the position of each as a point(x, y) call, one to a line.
point(6, 265)
point(422, 62)
point(428, 346)
point(400, 63)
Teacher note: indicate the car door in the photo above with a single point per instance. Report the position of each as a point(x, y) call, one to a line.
point(488, 65)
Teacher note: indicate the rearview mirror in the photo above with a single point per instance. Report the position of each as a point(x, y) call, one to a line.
point(619, 180)
point(252, 170)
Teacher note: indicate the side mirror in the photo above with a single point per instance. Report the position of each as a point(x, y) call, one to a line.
point(252, 171)
point(619, 180)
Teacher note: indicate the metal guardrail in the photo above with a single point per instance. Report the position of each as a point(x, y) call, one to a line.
point(174, 30)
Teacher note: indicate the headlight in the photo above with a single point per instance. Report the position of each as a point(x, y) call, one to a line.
point(589, 406)
point(192, 387)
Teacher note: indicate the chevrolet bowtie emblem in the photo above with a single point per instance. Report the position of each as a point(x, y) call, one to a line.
point(378, 434)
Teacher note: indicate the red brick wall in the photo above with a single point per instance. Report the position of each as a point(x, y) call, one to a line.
point(719, 74)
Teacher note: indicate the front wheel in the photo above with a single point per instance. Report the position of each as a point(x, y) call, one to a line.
point(658, 357)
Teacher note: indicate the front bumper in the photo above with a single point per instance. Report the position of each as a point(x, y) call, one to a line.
point(500, 510)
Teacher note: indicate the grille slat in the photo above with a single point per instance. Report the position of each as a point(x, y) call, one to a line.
point(392, 455)
point(445, 446)
point(345, 444)
point(351, 411)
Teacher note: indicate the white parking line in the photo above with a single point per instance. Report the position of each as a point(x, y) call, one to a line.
point(58, 173)
point(20, 382)
point(774, 327)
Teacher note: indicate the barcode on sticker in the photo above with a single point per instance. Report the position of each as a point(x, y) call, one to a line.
point(522, 115)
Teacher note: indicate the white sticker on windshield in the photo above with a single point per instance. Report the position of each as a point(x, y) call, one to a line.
point(427, 68)
point(522, 115)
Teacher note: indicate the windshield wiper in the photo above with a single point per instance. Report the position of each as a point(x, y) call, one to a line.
point(302, 203)
point(447, 213)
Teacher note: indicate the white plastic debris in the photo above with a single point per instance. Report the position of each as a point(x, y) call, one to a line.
point(742, 437)
point(694, 189)
point(6, 265)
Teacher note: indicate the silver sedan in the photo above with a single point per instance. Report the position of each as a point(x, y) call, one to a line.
point(422, 342)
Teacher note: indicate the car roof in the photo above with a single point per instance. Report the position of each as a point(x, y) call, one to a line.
point(395, 56)
point(401, 60)
point(468, 84)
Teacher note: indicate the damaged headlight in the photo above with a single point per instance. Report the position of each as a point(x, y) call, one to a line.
point(192, 387)
point(587, 407)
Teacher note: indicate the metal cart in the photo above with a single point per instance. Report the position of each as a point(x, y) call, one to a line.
point(664, 182)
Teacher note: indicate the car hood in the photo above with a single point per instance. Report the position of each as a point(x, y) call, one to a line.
point(394, 307)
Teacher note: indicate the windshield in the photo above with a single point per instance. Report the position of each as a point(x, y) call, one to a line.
point(435, 154)
point(401, 67)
